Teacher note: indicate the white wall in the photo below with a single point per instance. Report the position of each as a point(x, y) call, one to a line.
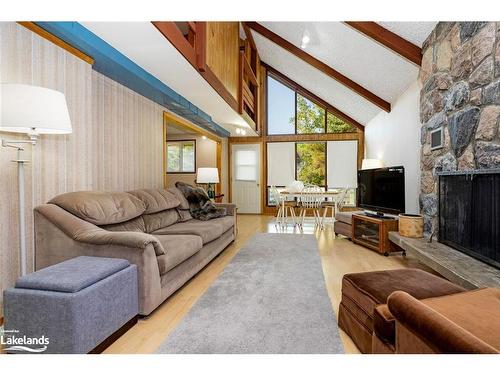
point(395, 138)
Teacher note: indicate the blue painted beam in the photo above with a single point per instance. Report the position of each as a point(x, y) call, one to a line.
point(115, 65)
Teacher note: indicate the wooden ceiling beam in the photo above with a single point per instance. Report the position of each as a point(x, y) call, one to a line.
point(321, 66)
point(388, 39)
point(249, 35)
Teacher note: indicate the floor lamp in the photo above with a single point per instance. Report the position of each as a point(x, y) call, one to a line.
point(31, 110)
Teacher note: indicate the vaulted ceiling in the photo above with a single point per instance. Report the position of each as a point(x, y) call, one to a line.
point(377, 73)
point(351, 53)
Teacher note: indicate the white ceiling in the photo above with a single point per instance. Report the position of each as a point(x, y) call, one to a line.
point(361, 59)
point(415, 32)
point(356, 56)
point(315, 81)
point(146, 46)
point(175, 129)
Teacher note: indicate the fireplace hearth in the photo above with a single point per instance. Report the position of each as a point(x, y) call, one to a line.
point(469, 213)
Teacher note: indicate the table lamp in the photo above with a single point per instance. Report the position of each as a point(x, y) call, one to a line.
point(31, 110)
point(208, 176)
point(372, 164)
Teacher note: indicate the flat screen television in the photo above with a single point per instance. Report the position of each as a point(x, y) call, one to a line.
point(382, 190)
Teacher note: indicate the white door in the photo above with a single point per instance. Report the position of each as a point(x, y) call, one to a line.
point(245, 174)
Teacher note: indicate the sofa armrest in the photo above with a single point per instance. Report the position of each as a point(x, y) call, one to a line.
point(435, 330)
point(231, 208)
point(83, 231)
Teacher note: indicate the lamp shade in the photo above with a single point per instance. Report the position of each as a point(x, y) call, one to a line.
point(32, 109)
point(372, 164)
point(207, 176)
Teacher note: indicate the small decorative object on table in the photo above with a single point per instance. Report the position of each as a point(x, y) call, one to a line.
point(411, 225)
point(209, 176)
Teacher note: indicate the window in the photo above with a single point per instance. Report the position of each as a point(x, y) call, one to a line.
point(245, 165)
point(310, 116)
point(310, 163)
point(337, 125)
point(291, 111)
point(181, 156)
point(280, 108)
point(331, 165)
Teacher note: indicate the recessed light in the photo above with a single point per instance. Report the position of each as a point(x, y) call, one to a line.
point(238, 131)
point(203, 137)
point(305, 39)
point(243, 131)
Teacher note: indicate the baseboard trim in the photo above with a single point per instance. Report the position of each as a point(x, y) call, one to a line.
point(115, 336)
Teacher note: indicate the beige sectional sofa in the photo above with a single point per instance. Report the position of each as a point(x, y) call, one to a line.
point(150, 228)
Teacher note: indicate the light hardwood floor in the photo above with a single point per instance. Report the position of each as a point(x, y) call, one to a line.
point(339, 256)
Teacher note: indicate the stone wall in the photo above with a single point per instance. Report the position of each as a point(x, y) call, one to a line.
point(460, 78)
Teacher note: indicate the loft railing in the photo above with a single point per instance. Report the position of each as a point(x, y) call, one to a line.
point(249, 81)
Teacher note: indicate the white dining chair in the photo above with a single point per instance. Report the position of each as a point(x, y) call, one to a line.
point(310, 200)
point(334, 204)
point(284, 208)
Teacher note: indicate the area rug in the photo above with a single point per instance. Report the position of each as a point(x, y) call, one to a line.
point(270, 299)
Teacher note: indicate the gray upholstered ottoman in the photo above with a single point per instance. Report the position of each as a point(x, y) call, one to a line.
point(76, 304)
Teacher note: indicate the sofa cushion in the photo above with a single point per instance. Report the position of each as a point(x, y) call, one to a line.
point(156, 200)
point(207, 230)
point(227, 222)
point(160, 219)
point(373, 288)
point(134, 225)
point(100, 208)
point(184, 204)
point(184, 215)
point(177, 249)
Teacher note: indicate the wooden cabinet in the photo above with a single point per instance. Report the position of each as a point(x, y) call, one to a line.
point(373, 232)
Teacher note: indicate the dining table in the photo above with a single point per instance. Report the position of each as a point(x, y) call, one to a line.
point(331, 195)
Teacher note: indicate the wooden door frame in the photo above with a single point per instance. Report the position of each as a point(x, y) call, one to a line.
point(260, 142)
point(189, 126)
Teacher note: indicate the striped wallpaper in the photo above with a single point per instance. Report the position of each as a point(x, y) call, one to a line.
point(116, 142)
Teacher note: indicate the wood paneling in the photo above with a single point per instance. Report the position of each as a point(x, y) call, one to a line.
point(116, 142)
point(222, 53)
point(175, 36)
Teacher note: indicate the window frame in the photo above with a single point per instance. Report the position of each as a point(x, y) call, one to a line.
point(182, 142)
point(302, 92)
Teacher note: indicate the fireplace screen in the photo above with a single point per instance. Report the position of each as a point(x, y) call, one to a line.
point(469, 214)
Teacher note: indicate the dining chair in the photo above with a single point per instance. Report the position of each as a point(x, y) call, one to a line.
point(310, 200)
point(284, 208)
point(333, 204)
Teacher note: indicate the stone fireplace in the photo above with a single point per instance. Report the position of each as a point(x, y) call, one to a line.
point(460, 78)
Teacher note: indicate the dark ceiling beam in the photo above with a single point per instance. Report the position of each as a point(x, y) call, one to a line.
point(321, 66)
point(390, 40)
